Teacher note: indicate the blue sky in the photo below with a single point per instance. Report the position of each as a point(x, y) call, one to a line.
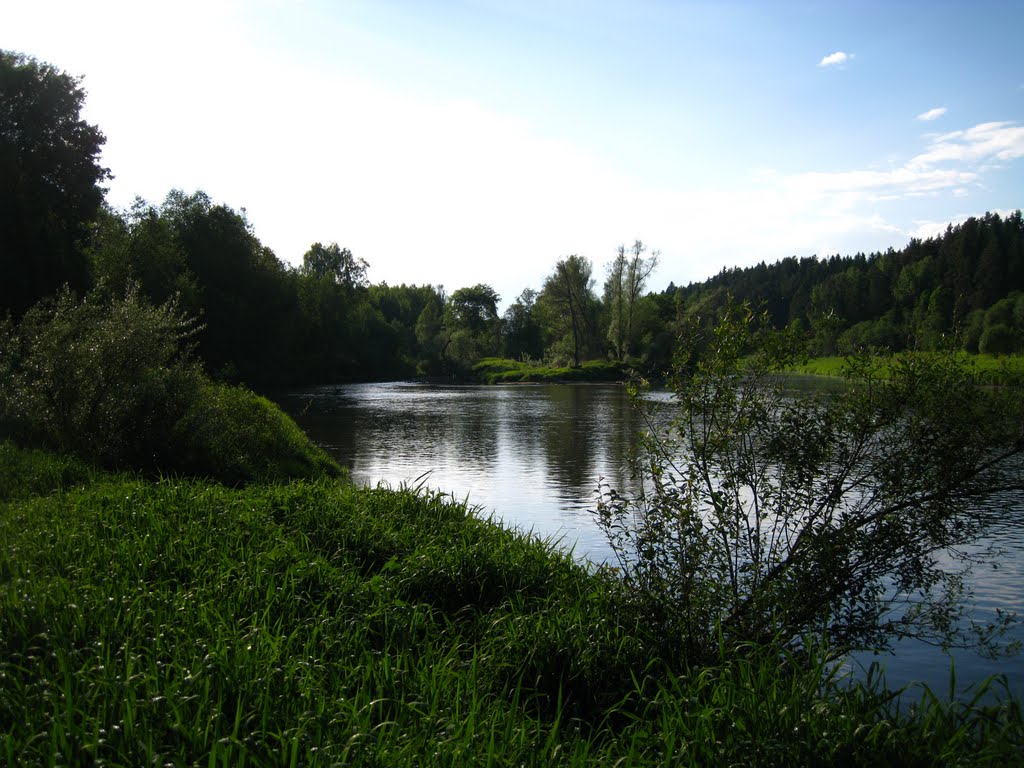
point(479, 141)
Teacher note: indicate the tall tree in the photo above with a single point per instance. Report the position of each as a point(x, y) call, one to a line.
point(49, 164)
point(614, 292)
point(569, 292)
point(245, 299)
point(627, 278)
point(472, 324)
point(521, 335)
point(335, 263)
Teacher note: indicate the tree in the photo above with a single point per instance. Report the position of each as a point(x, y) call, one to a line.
point(475, 308)
point(627, 277)
point(337, 264)
point(139, 246)
point(615, 302)
point(244, 298)
point(106, 377)
point(771, 518)
point(49, 163)
point(520, 331)
point(569, 294)
point(472, 324)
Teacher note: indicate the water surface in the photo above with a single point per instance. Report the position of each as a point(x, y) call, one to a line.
point(532, 455)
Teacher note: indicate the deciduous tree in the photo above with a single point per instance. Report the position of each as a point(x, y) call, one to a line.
point(569, 295)
point(771, 518)
point(49, 164)
point(627, 278)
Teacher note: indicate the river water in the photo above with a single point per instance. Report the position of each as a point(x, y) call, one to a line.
point(531, 457)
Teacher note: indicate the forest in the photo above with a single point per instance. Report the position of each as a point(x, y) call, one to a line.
point(268, 324)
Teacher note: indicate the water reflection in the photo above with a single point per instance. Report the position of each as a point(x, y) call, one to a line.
point(531, 455)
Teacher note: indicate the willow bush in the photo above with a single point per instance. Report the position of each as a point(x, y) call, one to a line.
point(113, 380)
point(767, 517)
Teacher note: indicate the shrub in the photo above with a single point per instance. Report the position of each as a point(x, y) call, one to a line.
point(998, 339)
point(769, 518)
point(113, 381)
point(234, 435)
point(103, 379)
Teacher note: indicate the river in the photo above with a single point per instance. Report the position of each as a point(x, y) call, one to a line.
point(531, 456)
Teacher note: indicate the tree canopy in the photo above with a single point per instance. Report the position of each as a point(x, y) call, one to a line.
point(51, 193)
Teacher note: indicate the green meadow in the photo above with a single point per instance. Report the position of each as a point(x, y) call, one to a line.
point(183, 622)
point(1001, 370)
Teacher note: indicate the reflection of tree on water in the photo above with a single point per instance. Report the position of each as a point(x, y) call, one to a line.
point(589, 435)
point(558, 438)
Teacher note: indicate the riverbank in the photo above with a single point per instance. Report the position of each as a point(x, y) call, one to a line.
point(494, 370)
point(1001, 370)
point(317, 623)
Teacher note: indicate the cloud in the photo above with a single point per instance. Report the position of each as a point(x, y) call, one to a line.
point(985, 143)
point(932, 114)
point(834, 59)
point(951, 162)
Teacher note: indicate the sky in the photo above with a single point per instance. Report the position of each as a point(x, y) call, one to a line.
point(455, 142)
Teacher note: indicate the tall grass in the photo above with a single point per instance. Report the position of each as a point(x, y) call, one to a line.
point(182, 623)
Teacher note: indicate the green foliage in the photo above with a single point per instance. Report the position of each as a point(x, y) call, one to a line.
point(999, 339)
point(470, 326)
point(335, 264)
point(322, 624)
point(623, 289)
point(104, 379)
point(49, 163)
point(237, 436)
point(492, 370)
point(567, 308)
point(771, 518)
point(914, 297)
point(109, 380)
point(1002, 370)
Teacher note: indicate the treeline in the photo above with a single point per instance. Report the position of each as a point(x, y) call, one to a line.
point(268, 324)
point(260, 321)
point(967, 283)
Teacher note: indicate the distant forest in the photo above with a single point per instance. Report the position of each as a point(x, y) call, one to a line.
point(969, 282)
point(268, 324)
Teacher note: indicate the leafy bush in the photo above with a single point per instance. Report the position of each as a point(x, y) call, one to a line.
point(492, 370)
point(998, 339)
point(766, 517)
point(103, 379)
point(112, 380)
point(235, 435)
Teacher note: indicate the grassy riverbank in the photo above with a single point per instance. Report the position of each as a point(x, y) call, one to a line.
point(1004, 370)
point(314, 623)
point(494, 370)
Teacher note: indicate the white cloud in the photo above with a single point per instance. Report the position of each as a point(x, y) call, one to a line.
point(984, 143)
point(835, 59)
point(952, 162)
point(932, 114)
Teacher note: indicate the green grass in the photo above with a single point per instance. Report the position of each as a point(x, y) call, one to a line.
point(494, 370)
point(1007, 370)
point(315, 623)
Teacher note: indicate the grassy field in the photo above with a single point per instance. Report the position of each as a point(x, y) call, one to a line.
point(184, 623)
point(494, 370)
point(1007, 370)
